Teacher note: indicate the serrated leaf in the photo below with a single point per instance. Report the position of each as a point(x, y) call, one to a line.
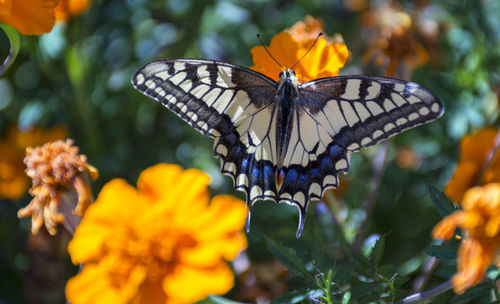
point(442, 203)
point(15, 46)
point(378, 251)
point(477, 292)
point(445, 251)
point(289, 257)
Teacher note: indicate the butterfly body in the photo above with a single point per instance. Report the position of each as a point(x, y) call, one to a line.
point(285, 141)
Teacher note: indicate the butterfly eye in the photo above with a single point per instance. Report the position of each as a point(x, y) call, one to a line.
point(281, 74)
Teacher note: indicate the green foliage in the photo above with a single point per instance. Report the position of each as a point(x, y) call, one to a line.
point(79, 76)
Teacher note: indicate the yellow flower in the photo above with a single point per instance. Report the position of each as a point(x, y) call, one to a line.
point(324, 60)
point(479, 164)
point(391, 41)
point(160, 243)
point(33, 17)
point(480, 220)
point(56, 168)
point(13, 180)
point(69, 8)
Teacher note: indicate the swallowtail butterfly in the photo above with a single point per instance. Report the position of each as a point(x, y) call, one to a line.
point(285, 141)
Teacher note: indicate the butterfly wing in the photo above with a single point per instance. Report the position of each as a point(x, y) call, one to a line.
point(233, 105)
point(213, 97)
point(336, 116)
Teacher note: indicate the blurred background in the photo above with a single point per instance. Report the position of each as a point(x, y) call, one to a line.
point(75, 81)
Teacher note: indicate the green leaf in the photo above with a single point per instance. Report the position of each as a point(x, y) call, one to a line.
point(493, 273)
point(442, 203)
point(481, 293)
point(378, 251)
point(346, 297)
point(15, 46)
point(298, 296)
point(446, 251)
point(289, 257)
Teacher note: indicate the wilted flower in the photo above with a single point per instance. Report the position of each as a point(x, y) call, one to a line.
point(29, 17)
point(56, 168)
point(479, 163)
point(160, 243)
point(324, 60)
point(480, 221)
point(13, 181)
point(389, 34)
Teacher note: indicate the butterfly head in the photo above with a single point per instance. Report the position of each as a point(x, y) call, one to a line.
point(288, 79)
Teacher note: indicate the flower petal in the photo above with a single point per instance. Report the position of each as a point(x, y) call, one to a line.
point(31, 17)
point(116, 206)
point(214, 280)
point(94, 285)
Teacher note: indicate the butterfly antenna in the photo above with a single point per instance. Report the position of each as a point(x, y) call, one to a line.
point(310, 48)
point(265, 48)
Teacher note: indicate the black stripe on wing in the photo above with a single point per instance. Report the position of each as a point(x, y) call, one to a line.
point(363, 110)
point(210, 96)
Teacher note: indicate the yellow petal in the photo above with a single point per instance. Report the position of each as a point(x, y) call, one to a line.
point(216, 280)
point(116, 206)
point(94, 285)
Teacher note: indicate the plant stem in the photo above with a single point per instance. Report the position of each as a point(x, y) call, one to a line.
point(378, 170)
point(427, 294)
point(495, 290)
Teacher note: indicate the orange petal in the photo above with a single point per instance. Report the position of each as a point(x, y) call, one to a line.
point(214, 280)
point(116, 206)
point(474, 257)
point(93, 285)
point(68, 8)
point(283, 47)
point(31, 17)
point(446, 227)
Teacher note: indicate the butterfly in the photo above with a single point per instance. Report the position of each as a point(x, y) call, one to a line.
point(285, 141)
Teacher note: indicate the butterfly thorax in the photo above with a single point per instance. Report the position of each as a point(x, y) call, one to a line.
point(288, 89)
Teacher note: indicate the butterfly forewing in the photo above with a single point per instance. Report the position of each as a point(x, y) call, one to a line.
point(211, 96)
point(329, 119)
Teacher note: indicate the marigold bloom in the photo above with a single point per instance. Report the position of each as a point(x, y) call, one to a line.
point(29, 17)
point(69, 8)
point(324, 60)
point(480, 220)
point(13, 181)
point(55, 168)
point(391, 41)
point(479, 163)
point(160, 243)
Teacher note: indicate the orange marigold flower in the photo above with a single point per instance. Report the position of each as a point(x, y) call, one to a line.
point(160, 243)
point(391, 40)
point(480, 220)
point(324, 60)
point(69, 8)
point(56, 168)
point(13, 181)
point(479, 163)
point(29, 17)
